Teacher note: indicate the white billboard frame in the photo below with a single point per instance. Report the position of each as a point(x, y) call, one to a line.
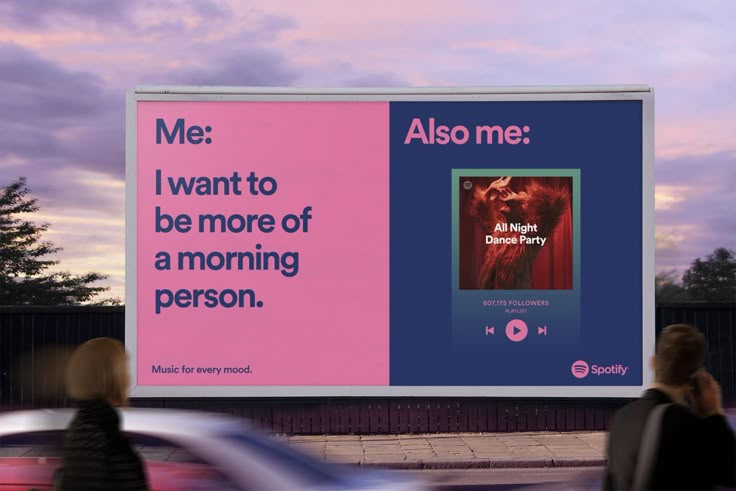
point(643, 93)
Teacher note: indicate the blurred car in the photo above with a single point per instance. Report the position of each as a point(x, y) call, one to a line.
point(183, 451)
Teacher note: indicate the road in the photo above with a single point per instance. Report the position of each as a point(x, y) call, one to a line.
point(502, 479)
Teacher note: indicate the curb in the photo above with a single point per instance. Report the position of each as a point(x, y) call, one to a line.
point(482, 463)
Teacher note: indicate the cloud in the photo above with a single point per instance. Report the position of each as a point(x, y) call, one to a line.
point(709, 172)
point(344, 74)
point(271, 23)
point(59, 191)
point(39, 13)
point(211, 9)
point(338, 73)
point(129, 14)
point(53, 117)
point(697, 214)
point(38, 91)
point(666, 196)
point(62, 111)
point(242, 68)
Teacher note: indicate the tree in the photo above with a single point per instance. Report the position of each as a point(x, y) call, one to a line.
point(24, 262)
point(668, 289)
point(712, 279)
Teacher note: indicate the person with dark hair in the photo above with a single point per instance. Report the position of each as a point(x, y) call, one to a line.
point(96, 454)
point(676, 436)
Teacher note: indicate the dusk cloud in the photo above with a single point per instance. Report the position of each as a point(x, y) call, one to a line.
point(243, 68)
point(65, 66)
point(702, 189)
point(40, 92)
point(39, 13)
point(54, 117)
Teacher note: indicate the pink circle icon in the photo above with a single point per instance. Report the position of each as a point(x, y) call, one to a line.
point(580, 369)
point(516, 330)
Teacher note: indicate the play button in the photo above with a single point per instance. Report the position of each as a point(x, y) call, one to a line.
point(517, 330)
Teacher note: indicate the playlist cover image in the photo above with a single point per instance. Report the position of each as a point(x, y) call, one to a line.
point(515, 233)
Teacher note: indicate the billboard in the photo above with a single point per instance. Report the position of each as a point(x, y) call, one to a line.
point(378, 242)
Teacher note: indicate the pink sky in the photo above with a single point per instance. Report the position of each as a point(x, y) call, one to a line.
point(65, 66)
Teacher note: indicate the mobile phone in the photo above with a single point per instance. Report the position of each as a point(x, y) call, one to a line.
point(695, 389)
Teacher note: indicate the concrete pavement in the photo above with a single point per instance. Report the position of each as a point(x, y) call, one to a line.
point(424, 451)
point(459, 450)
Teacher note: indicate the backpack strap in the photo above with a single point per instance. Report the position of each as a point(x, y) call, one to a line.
point(649, 448)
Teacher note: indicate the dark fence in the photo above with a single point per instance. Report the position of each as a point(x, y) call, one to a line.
point(34, 341)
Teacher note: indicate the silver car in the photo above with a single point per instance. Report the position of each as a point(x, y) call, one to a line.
point(184, 450)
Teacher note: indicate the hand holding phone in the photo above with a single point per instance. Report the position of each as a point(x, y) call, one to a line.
point(706, 394)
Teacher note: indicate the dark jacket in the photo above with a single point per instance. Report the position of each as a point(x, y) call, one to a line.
point(694, 453)
point(97, 456)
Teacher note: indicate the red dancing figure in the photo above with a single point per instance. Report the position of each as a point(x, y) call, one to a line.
point(508, 266)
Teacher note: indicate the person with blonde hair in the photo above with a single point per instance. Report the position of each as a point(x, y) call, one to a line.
point(97, 456)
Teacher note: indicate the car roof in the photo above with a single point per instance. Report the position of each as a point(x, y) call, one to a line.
point(153, 421)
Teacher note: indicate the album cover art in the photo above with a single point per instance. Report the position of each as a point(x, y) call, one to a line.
point(515, 233)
